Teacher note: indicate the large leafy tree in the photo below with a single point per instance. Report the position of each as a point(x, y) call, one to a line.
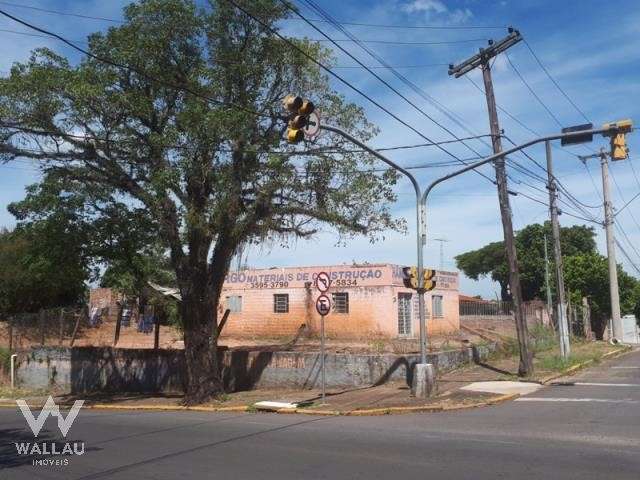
point(585, 271)
point(587, 275)
point(129, 129)
point(490, 259)
point(41, 266)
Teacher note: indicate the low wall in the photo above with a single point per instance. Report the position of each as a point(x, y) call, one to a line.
point(111, 370)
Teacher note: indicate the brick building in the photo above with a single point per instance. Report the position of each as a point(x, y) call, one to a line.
point(368, 301)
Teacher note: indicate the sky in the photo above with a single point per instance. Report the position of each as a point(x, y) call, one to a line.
point(590, 49)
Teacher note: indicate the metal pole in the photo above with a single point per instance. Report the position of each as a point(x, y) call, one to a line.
point(420, 230)
point(322, 355)
point(611, 251)
point(563, 327)
point(546, 278)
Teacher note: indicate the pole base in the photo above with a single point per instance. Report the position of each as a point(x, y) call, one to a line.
point(423, 384)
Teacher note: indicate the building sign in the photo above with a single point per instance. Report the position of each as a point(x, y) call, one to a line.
point(340, 276)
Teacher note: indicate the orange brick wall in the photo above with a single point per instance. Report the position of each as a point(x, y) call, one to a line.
point(373, 304)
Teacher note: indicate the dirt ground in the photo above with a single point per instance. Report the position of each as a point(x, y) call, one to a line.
point(172, 338)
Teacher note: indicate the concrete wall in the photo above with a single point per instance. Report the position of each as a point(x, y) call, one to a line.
point(89, 369)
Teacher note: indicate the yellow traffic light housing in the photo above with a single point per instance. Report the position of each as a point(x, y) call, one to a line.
point(429, 282)
point(619, 129)
point(293, 103)
point(410, 277)
point(299, 111)
point(294, 136)
point(619, 147)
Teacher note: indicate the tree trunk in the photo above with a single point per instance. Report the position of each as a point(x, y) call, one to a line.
point(204, 379)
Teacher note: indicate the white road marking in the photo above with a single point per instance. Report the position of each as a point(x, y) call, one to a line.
point(503, 387)
point(623, 368)
point(593, 384)
point(563, 399)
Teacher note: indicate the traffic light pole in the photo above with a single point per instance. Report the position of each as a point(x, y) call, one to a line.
point(614, 292)
point(423, 376)
point(424, 370)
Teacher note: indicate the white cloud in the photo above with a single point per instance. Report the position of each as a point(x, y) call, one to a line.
point(436, 10)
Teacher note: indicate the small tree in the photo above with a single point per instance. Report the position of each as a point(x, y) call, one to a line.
point(205, 177)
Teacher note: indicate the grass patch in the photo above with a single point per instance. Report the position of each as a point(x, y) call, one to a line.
point(581, 352)
point(8, 392)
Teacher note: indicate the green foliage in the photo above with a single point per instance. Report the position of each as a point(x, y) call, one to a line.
point(490, 260)
point(587, 275)
point(166, 171)
point(41, 266)
point(544, 338)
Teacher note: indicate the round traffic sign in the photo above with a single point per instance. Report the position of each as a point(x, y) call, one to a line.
point(323, 281)
point(323, 305)
point(312, 128)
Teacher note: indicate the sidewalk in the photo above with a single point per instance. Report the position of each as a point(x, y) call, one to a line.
point(394, 397)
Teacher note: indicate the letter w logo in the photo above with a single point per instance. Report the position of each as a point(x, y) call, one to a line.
point(50, 408)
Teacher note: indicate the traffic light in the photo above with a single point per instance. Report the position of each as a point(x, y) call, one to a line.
point(410, 277)
point(619, 149)
point(429, 282)
point(299, 110)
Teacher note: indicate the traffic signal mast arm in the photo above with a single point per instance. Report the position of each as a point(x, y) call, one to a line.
point(421, 199)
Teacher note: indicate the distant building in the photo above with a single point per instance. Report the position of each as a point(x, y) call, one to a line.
point(367, 301)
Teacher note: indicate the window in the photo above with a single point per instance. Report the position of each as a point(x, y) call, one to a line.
point(341, 302)
point(436, 302)
point(404, 313)
point(234, 303)
point(281, 303)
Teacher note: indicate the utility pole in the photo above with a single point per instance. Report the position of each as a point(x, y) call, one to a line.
point(546, 278)
point(442, 242)
point(614, 292)
point(482, 60)
point(563, 325)
point(616, 321)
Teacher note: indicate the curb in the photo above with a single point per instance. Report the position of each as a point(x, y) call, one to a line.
point(304, 411)
point(101, 406)
point(571, 370)
point(400, 410)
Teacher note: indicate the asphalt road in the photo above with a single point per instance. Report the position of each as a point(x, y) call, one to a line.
point(559, 432)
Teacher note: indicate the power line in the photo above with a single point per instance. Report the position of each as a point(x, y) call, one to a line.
point(384, 82)
point(627, 204)
point(627, 256)
point(361, 24)
point(554, 81)
point(57, 12)
point(427, 65)
point(404, 27)
point(626, 237)
point(228, 150)
point(132, 69)
point(394, 42)
point(615, 182)
point(340, 78)
point(398, 75)
point(535, 95)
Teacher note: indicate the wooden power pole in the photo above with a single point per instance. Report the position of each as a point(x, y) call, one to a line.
point(482, 60)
